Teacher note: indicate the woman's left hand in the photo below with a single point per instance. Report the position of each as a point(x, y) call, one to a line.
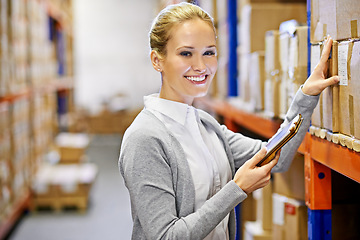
point(317, 81)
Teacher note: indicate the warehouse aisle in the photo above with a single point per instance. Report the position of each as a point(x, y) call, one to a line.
point(108, 216)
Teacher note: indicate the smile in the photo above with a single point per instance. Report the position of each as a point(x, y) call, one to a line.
point(196, 78)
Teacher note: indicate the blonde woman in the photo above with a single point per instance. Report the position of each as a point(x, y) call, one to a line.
point(184, 171)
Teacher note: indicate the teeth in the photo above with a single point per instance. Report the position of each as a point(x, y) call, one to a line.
point(197, 79)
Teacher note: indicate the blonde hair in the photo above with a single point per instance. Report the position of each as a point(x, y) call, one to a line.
point(171, 16)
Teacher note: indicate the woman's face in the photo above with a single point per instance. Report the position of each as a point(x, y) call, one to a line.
point(190, 62)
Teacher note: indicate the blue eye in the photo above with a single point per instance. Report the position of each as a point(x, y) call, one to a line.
point(185, 53)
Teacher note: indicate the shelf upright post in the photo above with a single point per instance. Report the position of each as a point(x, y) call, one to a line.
point(232, 67)
point(318, 198)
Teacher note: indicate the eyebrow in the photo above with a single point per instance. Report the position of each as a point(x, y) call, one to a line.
point(211, 46)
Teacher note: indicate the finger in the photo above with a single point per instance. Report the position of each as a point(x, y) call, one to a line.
point(326, 51)
point(330, 81)
point(267, 167)
point(258, 156)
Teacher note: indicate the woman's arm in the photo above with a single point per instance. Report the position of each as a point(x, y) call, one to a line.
point(304, 102)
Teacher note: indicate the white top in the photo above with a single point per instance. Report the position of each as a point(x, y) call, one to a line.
point(205, 154)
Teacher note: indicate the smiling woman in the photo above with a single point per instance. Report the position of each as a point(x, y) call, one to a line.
point(184, 171)
point(190, 62)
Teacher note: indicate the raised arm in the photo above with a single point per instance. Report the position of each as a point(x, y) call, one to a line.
point(304, 102)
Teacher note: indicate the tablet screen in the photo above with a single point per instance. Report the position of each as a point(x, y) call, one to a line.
point(278, 137)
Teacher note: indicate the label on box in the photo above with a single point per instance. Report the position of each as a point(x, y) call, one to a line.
point(342, 64)
point(315, 56)
point(290, 209)
point(279, 209)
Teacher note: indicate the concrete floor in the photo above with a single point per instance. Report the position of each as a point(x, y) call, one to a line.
point(108, 216)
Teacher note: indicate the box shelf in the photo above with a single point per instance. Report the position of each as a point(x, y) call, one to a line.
point(18, 209)
point(262, 126)
point(321, 156)
point(321, 150)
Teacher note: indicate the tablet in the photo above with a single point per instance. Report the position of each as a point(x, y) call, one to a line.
point(280, 139)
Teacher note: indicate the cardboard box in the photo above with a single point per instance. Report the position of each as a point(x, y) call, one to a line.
point(327, 111)
point(248, 211)
point(254, 231)
point(289, 218)
point(263, 199)
point(298, 61)
point(349, 88)
point(72, 146)
point(291, 183)
point(316, 118)
point(257, 79)
point(244, 78)
point(112, 122)
point(272, 72)
point(338, 18)
point(330, 96)
point(258, 18)
point(284, 47)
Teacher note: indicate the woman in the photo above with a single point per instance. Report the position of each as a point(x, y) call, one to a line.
point(184, 171)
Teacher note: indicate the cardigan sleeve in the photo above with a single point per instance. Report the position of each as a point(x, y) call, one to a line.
point(159, 196)
point(303, 104)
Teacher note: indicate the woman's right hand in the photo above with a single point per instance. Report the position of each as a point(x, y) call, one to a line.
point(250, 177)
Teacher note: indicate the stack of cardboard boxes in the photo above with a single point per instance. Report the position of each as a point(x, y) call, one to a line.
point(5, 162)
point(256, 19)
point(28, 70)
point(285, 67)
point(280, 208)
point(338, 111)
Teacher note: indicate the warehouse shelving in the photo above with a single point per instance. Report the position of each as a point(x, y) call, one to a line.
point(36, 95)
point(13, 217)
point(60, 84)
point(321, 156)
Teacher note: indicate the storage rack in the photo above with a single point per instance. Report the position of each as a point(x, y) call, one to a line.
point(321, 156)
point(61, 83)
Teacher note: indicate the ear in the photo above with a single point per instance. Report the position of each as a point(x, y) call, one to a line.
point(156, 60)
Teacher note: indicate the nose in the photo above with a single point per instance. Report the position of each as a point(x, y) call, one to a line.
point(198, 64)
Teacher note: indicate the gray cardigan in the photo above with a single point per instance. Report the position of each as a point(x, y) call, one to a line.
point(156, 173)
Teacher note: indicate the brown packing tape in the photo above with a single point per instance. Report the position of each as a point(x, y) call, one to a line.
point(321, 110)
point(351, 46)
point(335, 88)
point(351, 114)
point(324, 30)
point(354, 28)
